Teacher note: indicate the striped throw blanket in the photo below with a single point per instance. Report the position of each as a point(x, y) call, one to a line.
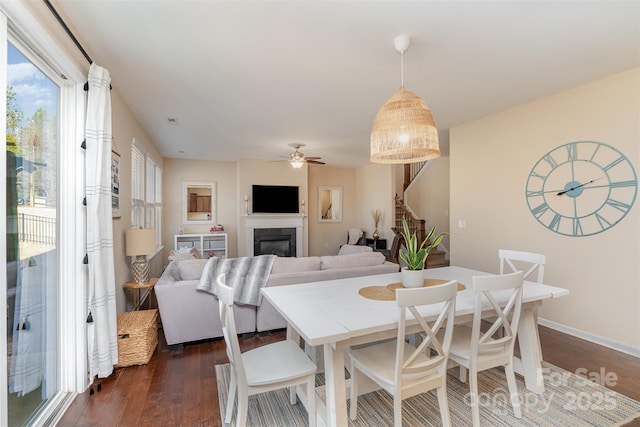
point(246, 275)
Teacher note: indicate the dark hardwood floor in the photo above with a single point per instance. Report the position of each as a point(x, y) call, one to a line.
point(178, 386)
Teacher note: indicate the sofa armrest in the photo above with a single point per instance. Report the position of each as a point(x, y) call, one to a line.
point(189, 314)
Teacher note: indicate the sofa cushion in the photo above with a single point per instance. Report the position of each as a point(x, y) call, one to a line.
point(362, 259)
point(295, 265)
point(189, 269)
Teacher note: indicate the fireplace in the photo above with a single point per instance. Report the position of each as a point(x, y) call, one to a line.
point(268, 222)
point(274, 241)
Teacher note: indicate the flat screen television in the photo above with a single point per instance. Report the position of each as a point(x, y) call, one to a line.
point(275, 199)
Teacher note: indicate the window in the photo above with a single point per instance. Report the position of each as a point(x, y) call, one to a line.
point(146, 190)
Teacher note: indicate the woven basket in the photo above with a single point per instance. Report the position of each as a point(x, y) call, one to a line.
point(137, 337)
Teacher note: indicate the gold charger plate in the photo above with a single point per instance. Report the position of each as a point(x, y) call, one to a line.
point(388, 292)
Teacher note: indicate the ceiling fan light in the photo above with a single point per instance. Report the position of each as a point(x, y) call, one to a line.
point(404, 131)
point(296, 163)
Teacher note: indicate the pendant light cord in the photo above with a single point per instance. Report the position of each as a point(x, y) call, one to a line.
point(402, 69)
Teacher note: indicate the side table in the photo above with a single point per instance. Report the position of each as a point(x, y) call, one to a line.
point(137, 290)
point(377, 244)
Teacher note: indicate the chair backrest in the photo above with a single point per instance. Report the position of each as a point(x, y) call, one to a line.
point(228, 322)
point(394, 253)
point(534, 262)
point(408, 300)
point(494, 290)
point(355, 236)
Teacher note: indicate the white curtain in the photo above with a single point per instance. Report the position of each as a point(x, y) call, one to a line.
point(102, 345)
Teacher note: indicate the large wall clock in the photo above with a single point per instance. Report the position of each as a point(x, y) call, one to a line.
point(581, 188)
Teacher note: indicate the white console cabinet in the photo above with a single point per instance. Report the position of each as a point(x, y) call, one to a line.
point(210, 244)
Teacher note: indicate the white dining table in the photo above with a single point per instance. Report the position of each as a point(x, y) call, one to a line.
point(333, 315)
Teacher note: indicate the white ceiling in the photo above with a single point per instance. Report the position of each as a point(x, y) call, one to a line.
point(245, 79)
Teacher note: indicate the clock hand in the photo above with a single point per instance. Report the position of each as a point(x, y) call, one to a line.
point(576, 187)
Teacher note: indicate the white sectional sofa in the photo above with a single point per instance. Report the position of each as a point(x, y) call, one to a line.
point(189, 314)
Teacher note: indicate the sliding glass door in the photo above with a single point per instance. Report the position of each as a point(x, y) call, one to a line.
point(32, 296)
point(42, 230)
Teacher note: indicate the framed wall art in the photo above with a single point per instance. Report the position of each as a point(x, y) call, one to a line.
point(115, 184)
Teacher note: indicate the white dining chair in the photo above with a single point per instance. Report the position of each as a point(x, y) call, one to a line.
point(270, 367)
point(404, 370)
point(530, 263)
point(477, 350)
point(533, 262)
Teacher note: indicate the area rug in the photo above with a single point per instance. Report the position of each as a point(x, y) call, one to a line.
point(569, 400)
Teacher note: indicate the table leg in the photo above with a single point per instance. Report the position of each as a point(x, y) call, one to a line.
point(292, 334)
point(136, 298)
point(530, 353)
point(335, 386)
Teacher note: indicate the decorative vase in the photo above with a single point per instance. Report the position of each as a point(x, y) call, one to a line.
point(412, 278)
point(376, 235)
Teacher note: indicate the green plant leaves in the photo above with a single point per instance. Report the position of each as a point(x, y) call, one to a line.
point(413, 255)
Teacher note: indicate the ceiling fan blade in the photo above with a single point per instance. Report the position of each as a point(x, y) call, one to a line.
point(312, 158)
point(316, 162)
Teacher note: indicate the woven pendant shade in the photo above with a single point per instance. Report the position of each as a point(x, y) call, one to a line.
point(404, 131)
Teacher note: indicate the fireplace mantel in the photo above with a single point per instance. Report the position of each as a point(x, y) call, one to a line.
point(254, 221)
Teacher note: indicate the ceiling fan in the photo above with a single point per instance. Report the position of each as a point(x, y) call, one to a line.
point(297, 159)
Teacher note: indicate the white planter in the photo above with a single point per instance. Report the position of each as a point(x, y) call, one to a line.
point(412, 278)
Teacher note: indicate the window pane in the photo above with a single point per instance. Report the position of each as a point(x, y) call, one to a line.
point(158, 185)
point(137, 195)
point(32, 264)
point(150, 178)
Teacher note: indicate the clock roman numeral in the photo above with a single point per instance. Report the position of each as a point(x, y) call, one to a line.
point(623, 184)
point(550, 160)
point(593, 155)
point(622, 207)
point(615, 162)
point(572, 151)
point(604, 224)
point(577, 227)
point(537, 175)
point(531, 193)
point(555, 222)
point(540, 209)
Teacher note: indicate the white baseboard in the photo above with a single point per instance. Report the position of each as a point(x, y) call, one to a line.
point(615, 345)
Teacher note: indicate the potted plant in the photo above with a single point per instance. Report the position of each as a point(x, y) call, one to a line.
point(415, 256)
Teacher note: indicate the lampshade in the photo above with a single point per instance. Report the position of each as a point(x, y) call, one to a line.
point(404, 131)
point(140, 241)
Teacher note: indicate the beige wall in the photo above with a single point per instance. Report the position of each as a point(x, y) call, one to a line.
point(429, 198)
point(175, 173)
point(125, 129)
point(490, 161)
point(375, 190)
point(325, 238)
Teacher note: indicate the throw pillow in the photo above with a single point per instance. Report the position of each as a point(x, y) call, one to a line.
point(196, 253)
point(191, 269)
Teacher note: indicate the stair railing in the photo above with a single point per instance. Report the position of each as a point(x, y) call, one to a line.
point(415, 224)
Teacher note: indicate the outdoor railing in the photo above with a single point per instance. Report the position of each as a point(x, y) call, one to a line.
point(36, 229)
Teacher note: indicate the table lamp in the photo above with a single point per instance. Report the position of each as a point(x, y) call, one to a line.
point(140, 243)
